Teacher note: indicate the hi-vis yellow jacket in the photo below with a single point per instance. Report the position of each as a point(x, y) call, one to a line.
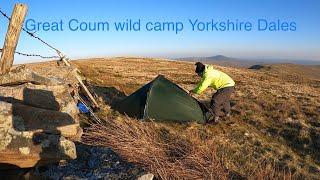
point(213, 78)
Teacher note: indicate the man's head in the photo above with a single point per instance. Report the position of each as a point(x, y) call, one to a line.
point(200, 68)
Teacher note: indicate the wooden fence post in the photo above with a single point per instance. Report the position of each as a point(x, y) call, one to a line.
point(12, 37)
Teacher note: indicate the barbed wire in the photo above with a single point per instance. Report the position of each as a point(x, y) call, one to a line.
point(36, 37)
point(60, 55)
point(34, 55)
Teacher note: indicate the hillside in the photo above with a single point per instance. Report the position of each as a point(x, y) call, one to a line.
point(301, 72)
point(222, 60)
point(275, 113)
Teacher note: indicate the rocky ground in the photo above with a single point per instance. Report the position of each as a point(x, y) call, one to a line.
point(91, 163)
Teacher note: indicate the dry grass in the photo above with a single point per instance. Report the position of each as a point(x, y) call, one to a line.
point(163, 152)
point(271, 172)
point(171, 155)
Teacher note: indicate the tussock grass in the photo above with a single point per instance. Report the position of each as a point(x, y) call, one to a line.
point(170, 154)
point(161, 151)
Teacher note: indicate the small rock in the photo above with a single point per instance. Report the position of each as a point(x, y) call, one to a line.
point(289, 120)
point(148, 176)
point(24, 150)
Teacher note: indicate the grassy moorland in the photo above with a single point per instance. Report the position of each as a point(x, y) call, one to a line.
point(274, 131)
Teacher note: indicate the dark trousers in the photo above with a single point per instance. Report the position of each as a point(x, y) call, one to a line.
point(221, 101)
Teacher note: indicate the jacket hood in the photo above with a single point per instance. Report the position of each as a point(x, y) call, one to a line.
point(208, 68)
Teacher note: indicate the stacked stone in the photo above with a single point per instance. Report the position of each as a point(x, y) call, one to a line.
point(38, 120)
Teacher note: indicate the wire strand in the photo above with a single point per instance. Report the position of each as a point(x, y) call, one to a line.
point(32, 35)
point(33, 55)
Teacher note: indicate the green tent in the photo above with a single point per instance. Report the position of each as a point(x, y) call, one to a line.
point(162, 100)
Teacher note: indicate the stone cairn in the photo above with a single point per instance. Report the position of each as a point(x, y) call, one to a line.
point(39, 118)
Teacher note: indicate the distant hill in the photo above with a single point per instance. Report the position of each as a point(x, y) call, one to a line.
point(241, 62)
point(222, 61)
point(220, 58)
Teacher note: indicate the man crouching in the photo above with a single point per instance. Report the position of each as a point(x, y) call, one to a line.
point(221, 82)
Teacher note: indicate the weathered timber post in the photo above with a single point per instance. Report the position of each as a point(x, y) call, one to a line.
point(12, 37)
